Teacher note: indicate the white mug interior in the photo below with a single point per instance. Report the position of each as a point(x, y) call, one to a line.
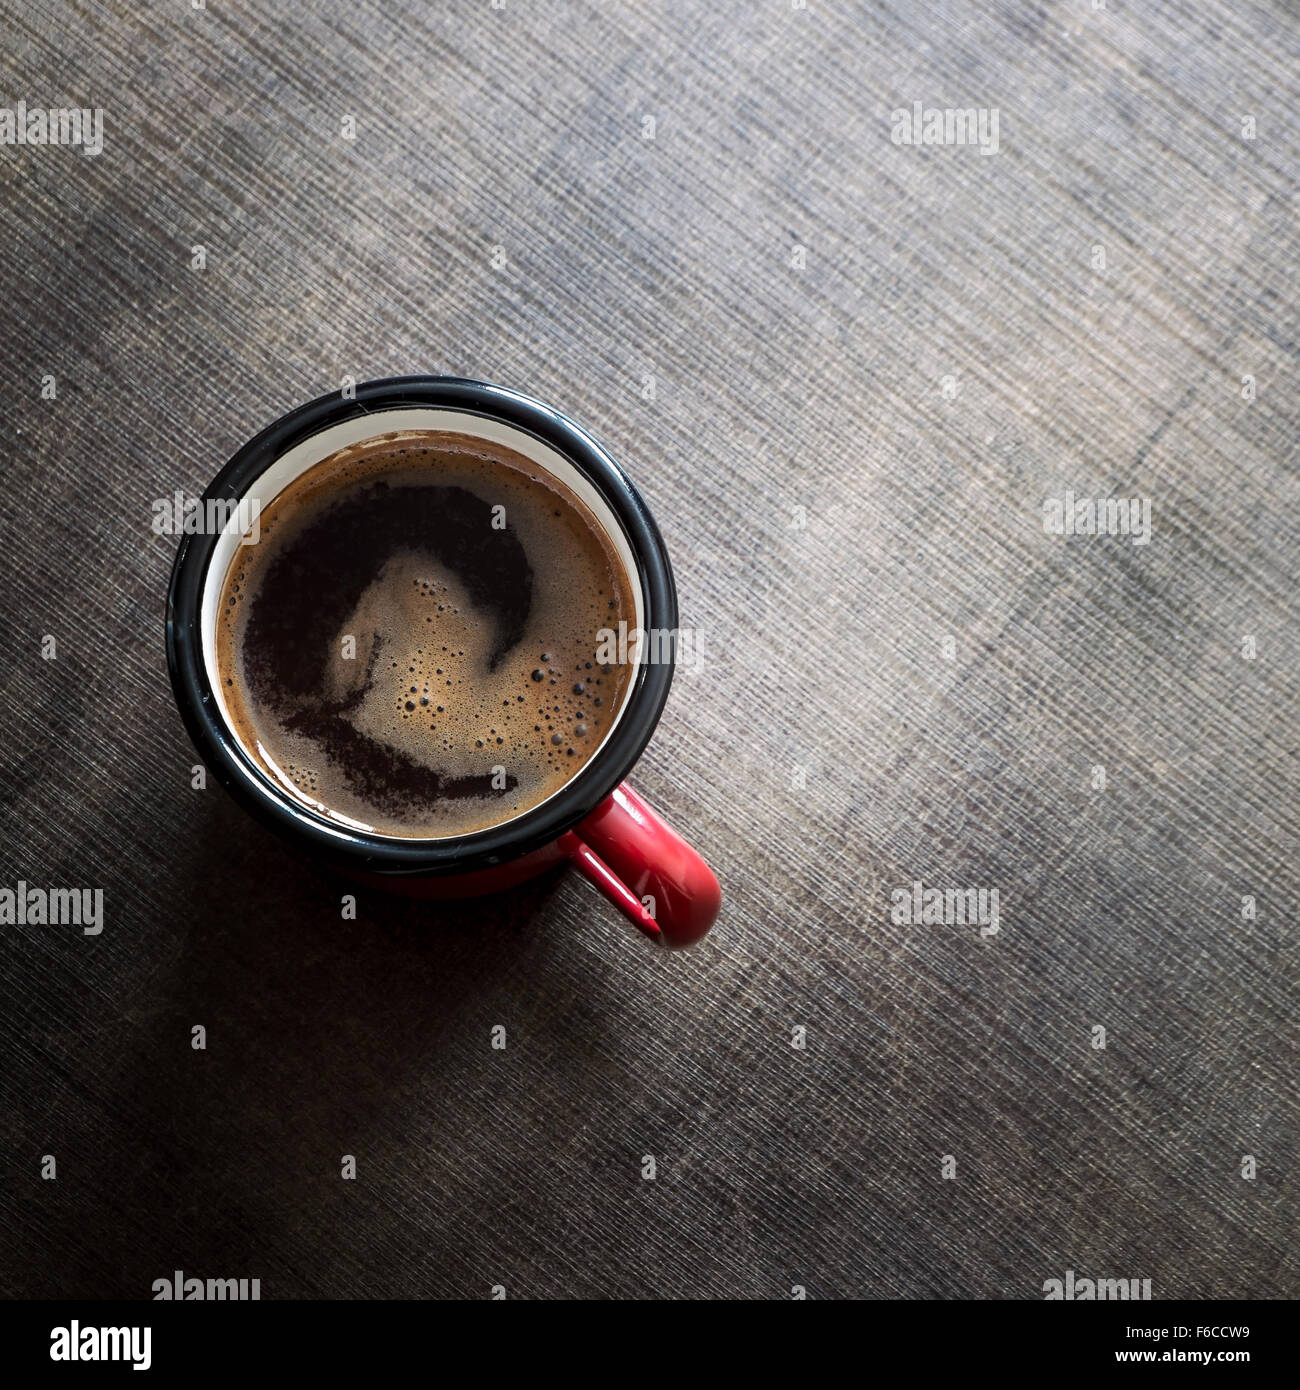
point(296, 461)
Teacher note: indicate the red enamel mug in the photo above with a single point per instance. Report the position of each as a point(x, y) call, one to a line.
point(595, 823)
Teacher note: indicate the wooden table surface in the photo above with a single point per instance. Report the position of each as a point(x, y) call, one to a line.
point(847, 373)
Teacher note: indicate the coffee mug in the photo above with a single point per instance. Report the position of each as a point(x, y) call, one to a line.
point(595, 822)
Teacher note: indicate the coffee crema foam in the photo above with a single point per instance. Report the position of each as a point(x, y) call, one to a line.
point(469, 691)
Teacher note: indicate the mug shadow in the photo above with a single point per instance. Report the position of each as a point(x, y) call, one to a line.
point(326, 940)
point(317, 1027)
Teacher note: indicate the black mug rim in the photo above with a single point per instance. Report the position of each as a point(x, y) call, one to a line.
point(226, 759)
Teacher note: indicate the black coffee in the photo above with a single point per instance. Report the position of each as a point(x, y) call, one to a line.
point(410, 647)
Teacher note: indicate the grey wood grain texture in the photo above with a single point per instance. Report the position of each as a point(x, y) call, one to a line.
point(830, 750)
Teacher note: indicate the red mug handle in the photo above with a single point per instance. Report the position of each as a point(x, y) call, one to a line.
point(632, 855)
